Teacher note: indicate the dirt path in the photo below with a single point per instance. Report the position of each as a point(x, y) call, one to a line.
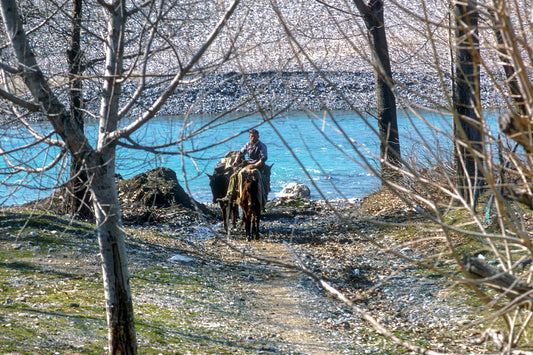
point(286, 316)
point(285, 309)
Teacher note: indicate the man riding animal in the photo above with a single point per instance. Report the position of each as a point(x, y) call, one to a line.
point(257, 156)
point(255, 165)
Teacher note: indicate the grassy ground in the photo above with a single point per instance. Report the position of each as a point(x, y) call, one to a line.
point(221, 302)
point(52, 295)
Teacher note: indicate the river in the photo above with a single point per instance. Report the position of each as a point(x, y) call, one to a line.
point(334, 156)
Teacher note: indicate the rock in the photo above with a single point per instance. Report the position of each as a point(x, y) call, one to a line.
point(180, 258)
point(157, 187)
point(144, 197)
point(296, 191)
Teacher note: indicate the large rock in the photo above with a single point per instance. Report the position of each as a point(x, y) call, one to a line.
point(295, 191)
point(155, 188)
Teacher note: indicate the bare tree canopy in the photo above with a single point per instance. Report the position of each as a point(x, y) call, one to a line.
point(122, 63)
point(120, 55)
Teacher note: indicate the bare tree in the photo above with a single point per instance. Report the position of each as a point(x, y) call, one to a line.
point(125, 58)
point(499, 231)
point(467, 125)
point(490, 72)
point(390, 153)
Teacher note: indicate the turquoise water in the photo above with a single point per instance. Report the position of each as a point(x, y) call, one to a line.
point(333, 156)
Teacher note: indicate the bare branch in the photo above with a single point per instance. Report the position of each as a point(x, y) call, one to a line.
point(518, 128)
point(19, 102)
point(177, 78)
point(36, 82)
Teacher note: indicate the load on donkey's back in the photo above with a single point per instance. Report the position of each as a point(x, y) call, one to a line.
point(257, 153)
point(237, 181)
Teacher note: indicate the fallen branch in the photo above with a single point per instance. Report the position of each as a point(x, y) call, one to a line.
point(499, 280)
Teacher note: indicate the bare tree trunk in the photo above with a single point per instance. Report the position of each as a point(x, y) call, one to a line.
point(120, 317)
point(119, 304)
point(385, 101)
point(516, 124)
point(467, 109)
point(101, 164)
point(79, 199)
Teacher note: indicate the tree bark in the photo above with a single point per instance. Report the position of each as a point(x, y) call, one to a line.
point(100, 164)
point(390, 154)
point(119, 303)
point(467, 107)
point(120, 318)
point(79, 198)
point(500, 280)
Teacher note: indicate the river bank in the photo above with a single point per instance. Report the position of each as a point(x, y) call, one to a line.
point(229, 92)
point(197, 291)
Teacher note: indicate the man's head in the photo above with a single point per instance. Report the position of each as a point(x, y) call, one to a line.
point(254, 136)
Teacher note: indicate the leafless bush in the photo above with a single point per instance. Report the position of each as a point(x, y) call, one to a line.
point(425, 36)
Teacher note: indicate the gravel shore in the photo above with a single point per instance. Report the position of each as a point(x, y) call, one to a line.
point(298, 91)
point(335, 71)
